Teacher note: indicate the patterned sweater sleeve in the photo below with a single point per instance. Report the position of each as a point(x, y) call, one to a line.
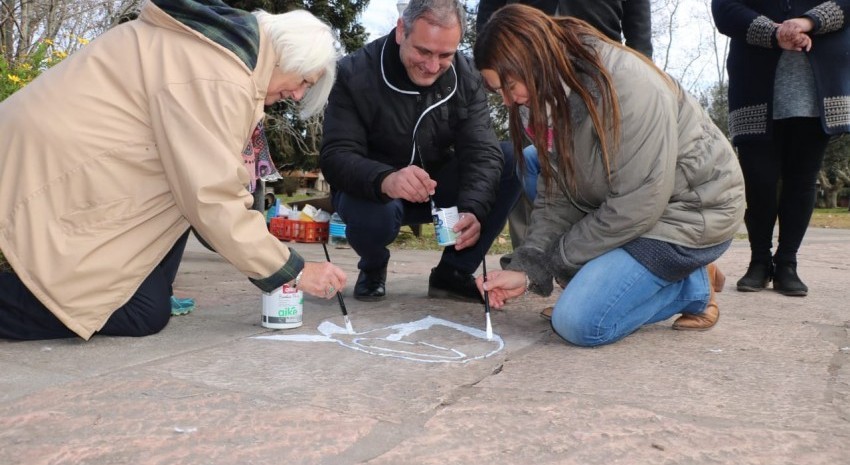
point(739, 21)
point(829, 16)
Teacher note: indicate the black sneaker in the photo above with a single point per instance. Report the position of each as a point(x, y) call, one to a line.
point(448, 283)
point(371, 285)
point(786, 281)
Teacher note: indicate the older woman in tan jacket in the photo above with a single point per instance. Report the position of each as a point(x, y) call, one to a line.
point(107, 159)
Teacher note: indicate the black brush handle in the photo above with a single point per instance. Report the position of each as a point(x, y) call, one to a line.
point(338, 293)
point(486, 293)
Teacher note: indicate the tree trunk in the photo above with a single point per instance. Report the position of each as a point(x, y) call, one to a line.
point(831, 198)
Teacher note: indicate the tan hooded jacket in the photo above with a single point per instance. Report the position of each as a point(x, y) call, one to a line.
point(109, 157)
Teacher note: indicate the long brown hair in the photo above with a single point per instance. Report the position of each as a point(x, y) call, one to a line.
point(545, 54)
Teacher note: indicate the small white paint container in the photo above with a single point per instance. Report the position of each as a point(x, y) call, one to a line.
point(283, 308)
point(444, 220)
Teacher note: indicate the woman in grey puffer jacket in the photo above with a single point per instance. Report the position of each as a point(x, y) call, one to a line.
point(640, 191)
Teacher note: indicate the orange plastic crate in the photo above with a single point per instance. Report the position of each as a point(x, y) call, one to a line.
point(298, 231)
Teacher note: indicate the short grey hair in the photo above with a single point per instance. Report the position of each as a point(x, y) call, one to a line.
point(306, 45)
point(443, 13)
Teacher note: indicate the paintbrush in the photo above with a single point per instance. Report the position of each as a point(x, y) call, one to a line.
point(487, 303)
point(348, 326)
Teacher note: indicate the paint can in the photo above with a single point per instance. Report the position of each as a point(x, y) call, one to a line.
point(283, 308)
point(444, 220)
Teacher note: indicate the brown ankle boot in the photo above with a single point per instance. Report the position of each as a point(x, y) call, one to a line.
point(708, 318)
point(716, 278)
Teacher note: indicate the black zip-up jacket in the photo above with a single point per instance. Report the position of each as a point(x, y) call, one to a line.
point(373, 112)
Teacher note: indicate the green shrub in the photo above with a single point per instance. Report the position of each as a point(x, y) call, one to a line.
point(16, 74)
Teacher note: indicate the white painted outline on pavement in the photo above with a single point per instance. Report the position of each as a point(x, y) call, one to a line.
point(332, 333)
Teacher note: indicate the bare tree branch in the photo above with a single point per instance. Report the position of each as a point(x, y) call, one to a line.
point(67, 23)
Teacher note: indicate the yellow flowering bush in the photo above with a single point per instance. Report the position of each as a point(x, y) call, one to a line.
point(15, 75)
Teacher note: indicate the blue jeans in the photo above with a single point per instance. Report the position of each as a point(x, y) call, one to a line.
point(371, 226)
point(613, 295)
point(532, 170)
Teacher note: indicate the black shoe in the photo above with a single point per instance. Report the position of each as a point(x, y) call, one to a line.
point(447, 283)
point(786, 281)
point(371, 285)
point(757, 276)
point(505, 260)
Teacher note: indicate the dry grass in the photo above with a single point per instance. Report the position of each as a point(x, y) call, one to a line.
point(426, 241)
point(835, 218)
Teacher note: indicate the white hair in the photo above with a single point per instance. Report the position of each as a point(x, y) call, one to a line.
point(306, 45)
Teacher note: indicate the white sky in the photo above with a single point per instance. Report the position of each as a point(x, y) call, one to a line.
point(380, 16)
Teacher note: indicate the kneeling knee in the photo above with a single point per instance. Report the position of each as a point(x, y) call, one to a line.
point(578, 329)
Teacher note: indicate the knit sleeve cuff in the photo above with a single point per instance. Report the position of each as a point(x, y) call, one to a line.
point(557, 265)
point(285, 274)
point(827, 17)
point(530, 261)
point(762, 33)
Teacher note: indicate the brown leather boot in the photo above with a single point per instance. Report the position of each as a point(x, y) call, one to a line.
point(708, 318)
point(716, 278)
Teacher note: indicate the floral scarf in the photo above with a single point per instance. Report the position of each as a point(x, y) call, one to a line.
point(258, 160)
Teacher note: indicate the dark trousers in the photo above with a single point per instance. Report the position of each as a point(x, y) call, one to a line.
point(779, 177)
point(22, 316)
point(372, 226)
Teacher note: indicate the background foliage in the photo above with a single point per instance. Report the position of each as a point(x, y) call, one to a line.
point(16, 74)
point(295, 143)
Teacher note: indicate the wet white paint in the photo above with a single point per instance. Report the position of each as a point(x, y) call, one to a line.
point(389, 341)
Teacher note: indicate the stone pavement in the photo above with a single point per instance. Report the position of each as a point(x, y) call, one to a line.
point(769, 385)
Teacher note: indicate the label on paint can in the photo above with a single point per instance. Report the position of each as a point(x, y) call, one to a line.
point(444, 220)
point(283, 308)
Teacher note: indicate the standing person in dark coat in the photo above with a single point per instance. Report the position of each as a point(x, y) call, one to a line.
point(408, 124)
point(620, 20)
point(789, 92)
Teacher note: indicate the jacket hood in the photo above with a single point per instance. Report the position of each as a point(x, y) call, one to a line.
point(234, 29)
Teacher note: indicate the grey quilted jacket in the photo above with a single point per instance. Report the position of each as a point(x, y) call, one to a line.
point(674, 178)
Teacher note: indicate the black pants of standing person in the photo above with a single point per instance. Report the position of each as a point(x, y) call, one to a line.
point(22, 316)
point(780, 177)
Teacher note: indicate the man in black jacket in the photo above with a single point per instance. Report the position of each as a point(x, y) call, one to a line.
point(408, 127)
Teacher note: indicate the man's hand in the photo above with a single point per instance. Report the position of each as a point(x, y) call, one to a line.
point(411, 183)
point(468, 231)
